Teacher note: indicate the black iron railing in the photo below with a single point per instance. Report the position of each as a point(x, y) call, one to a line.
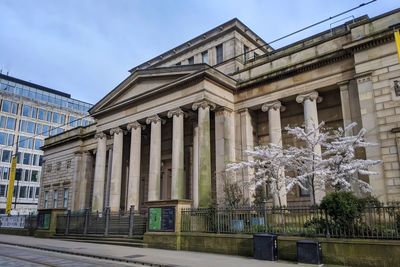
point(102, 223)
point(381, 222)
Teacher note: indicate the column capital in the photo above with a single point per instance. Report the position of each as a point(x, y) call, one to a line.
point(312, 96)
point(275, 105)
point(154, 119)
point(100, 135)
point(176, 112)
point(116, 130)
point(135, 125)
point(203, 104)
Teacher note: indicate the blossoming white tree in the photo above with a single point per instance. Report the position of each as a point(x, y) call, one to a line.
point(340, 159)
point(337, 166)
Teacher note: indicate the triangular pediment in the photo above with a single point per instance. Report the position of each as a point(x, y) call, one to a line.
point(143, 82)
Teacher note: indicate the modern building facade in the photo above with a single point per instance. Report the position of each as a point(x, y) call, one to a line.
point(169, 129)
point(28, 114)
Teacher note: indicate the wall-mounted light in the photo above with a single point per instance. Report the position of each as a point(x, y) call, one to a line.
point(396, 86)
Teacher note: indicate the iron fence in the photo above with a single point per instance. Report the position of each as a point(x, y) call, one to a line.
point(375, 222)
point(28, 222)
point(102, 223)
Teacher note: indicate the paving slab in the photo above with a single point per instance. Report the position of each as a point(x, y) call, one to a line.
point(146, 256)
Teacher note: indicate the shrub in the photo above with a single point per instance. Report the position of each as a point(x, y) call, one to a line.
point(343, 208)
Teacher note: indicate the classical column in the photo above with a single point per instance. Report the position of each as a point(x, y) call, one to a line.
point(224, 150)
point(204, 108)
point(345, 103)
point(309, 101)
point(274, 109)
point(99, 172)
point(134, 164)
point(195, 167)
point(178, 179)
point(246, 142)
point(116, 169)
point(155, 157)
point(75, 194)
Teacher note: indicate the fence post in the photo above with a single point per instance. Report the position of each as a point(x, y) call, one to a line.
point(68, 222)
point(327, 223)
point(131, 220)
point(107, 221)
point(86, 223)
point(265, 214)
point(217, 215)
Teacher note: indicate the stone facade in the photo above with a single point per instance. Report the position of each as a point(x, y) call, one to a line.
point(168, 130)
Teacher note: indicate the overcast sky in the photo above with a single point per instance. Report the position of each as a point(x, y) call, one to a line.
point(86, 47)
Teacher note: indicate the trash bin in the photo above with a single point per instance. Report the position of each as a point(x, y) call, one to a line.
point(309, 251)
point(265, 247)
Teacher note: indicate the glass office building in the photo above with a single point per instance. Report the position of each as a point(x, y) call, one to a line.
point(28, 114)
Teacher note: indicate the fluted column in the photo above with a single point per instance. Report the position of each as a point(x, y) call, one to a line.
point(155, 157)
point(205, 194)
point(309, 101)
point(345, 104)
point(195, 167)
point(134, 164)
point(274, 109)
point(178, 180)
point(99, 172)
point(116, 169)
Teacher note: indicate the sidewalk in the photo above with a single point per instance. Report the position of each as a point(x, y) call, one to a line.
point(147, 256)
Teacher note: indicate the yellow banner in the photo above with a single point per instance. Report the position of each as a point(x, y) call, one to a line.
point(11, 184)
point(397, 39)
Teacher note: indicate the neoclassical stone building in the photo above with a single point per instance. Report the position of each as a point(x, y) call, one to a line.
point(168, 130)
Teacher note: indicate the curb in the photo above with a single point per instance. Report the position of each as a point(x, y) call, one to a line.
point(89, 255)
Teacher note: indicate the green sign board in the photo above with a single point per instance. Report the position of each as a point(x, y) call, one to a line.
point(162, 219)
point(154, 219)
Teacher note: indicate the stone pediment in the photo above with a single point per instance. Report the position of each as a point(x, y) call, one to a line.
point(142, 82)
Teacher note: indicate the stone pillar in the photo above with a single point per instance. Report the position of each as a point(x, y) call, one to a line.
point(309, 101)
point(204, 153)
point(246, 143)
point(224, 150)
point(99, 173)
point(345, 103)
point(195, 167)
point(274, 109)
point(178, 179)
point(83, 182)
point(370, 123)
point(75, 194)
point(134, 164)
point(155, 157)
point(116, 169)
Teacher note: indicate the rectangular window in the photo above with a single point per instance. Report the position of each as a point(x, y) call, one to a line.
point(220, 53)
point(30, 127)
point(37, 192)
point(45, 130)
point(10, 123)
point(6, 106)
point(62, 119)
point(18, 174)
point(26, 175)
point(22, 126)
point(204, 57)
point(245, 53)
point(30, 192)
point(27, 159)
point(72, 121)
point(26, 111)
point(6, 173)
point(48, 117)
point(38, 144)
point(34, 113)
point(10, 140)
point(56, 117)
point(14, 108)
point(3, 138)
point(255, 55)
point(35, 176)
point(191, 60)
point(6, 157)
point(22, 192)
point(38, 128)
point(41, 114)
point(2, 190)
point(55, 199)
point(3, 121)
point(65, 200)
point(46, 199)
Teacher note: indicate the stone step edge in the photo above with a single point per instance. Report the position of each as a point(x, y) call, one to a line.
point(109, 242)
point(127, 240)
point(90, 255)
